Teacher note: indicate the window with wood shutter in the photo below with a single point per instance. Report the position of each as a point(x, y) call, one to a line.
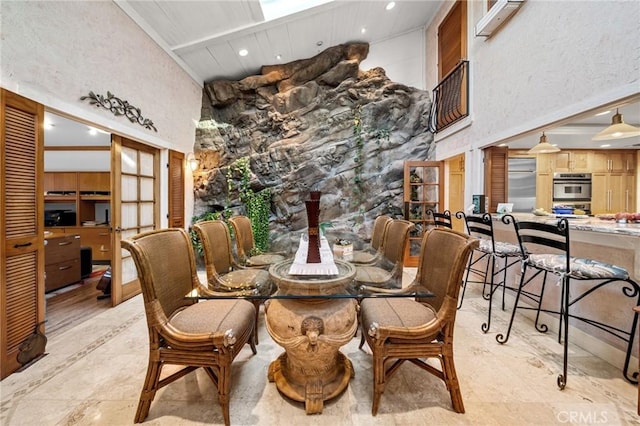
point(21, 200)
point(176, 189)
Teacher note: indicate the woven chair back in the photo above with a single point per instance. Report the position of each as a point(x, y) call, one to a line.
point(216, 244)
point(395, 240)
point(243, 231)
point(166, 265)
point(379, 229)
point(443, 259)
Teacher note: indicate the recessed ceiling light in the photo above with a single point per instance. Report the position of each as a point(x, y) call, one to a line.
point(363, 30)
point(606, 145)
point(48, 125)
point(602, 113)
point(319, 43)
point(390, 5)
point(93, 131)
point(243, 52)
point(503, 144)
point(278, 57)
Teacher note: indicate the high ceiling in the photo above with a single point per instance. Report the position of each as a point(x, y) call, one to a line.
point(205, 37)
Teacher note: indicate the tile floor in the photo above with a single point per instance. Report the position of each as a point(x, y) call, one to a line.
point(93, 373)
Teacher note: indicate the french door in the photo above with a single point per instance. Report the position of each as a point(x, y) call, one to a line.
point(135, 171)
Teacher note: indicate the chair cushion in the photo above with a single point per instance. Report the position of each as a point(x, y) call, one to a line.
point(362, 257)
point(372, 274)
point(215, 315)
point(580, 268)
point(502, 248)
point(396, 312)
point(244, 279)
point(264, 259)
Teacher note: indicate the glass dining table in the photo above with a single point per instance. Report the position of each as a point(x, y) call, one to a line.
point(311, 316)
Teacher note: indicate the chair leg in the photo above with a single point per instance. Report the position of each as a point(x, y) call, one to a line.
point(486, 325)
point(149, 389)
point(562, 378)
point(378, 381)
point(224, 385)
point(542, 328)
point(466, 278)
point(451, 381)
point(257, 304)
point(502, 338)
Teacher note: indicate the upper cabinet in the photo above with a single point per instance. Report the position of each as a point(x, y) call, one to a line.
point(572, 161)
point(613, 161)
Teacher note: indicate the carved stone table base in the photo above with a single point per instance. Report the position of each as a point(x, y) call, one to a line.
point(313, 390)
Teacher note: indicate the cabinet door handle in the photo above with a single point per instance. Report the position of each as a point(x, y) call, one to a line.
point(626, 200)
point(62, 268)
point(64, 243)
point(22, 245)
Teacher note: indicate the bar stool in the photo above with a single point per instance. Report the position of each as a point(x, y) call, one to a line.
point(559, 262)
point(440, 219)
point(481, 227)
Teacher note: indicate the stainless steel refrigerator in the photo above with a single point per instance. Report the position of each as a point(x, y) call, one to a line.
point(522, 184)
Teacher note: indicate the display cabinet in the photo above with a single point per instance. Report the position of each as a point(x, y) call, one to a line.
point(423, 191)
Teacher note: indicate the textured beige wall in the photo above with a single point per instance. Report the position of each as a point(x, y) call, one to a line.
point(56, 51)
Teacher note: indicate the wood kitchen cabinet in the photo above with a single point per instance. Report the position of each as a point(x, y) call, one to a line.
point(616, 161)
point(572, 161)
point(544, 191)
point(612, 193)
point(545, 163)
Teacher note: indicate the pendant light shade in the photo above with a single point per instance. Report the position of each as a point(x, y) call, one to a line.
point(618, 130)
point(543, 147)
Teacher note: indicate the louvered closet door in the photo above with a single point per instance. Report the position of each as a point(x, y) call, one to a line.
point(135, 171)
point(176, 189)
point(21, 199)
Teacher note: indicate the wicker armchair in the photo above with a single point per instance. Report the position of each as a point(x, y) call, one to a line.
point(373, 252)
point(387, 270)
point(245, 245)
point(183, 331)
point(404, 329)
point(221, 274)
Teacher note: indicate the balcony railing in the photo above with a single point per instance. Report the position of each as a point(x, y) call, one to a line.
point(450, 98)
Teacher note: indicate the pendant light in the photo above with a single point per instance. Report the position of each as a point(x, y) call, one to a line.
point(618, 130)
point(543, 147)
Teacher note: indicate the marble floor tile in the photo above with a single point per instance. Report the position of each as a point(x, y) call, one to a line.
point(93, 373)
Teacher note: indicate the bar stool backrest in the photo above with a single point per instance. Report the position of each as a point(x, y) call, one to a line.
point(440, 219)
point(536, 236)
point(479, 226)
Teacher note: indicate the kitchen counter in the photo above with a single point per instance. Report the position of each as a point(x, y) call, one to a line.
point(592, 224)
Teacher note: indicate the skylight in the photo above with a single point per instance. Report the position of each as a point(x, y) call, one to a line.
point(274, 9)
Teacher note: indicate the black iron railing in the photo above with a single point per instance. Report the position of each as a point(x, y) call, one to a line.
point(450, 98)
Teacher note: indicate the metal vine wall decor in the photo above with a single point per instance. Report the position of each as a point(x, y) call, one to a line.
point(119, 107)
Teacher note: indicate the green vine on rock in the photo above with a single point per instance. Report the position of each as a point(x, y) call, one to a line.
point(256, 204)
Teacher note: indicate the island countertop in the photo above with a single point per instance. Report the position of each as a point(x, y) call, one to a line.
point(587, 224)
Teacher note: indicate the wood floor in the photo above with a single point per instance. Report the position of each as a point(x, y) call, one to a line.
point(66, 309)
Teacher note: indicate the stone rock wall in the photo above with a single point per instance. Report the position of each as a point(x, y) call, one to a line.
point(297, 124)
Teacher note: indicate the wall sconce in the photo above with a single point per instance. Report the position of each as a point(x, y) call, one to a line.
point(192, 161)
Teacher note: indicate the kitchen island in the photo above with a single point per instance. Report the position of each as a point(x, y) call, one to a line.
point(605, 241)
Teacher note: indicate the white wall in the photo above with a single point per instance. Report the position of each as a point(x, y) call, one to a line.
point(552, 60)
point(54, 52)
point(401, 57)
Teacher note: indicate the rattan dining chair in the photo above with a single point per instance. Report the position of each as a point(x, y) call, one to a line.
point(369, 254)
point(407, 329)
point(218, 259)
point(182, 330)
point(387, 270)
point(246, 246)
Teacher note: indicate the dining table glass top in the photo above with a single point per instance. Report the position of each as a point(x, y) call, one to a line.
point(285, 285)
